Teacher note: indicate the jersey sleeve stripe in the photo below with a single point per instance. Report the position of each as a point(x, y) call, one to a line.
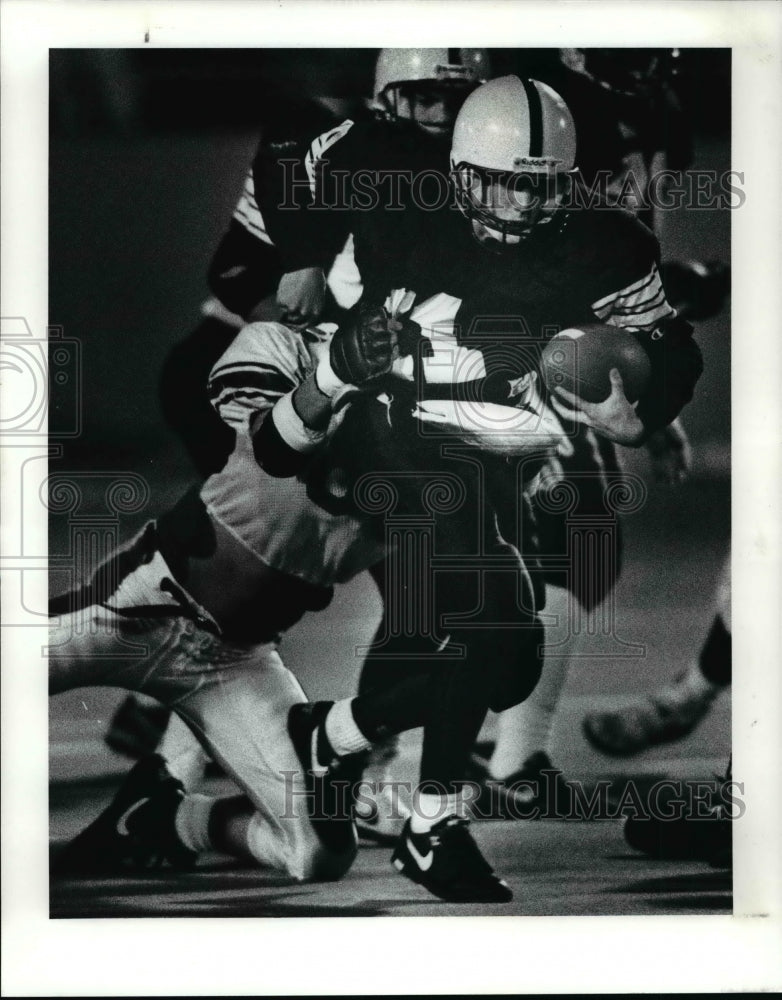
point(247, 212)
point(245, 219)
point(637, 286)
point(245, 365)
point(641, 307)
point(319, 146)
point(643, 321)
point(251, 380)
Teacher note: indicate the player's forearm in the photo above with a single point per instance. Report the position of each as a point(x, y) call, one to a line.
point(304, 217)
point(284, 437)
point(676, 364)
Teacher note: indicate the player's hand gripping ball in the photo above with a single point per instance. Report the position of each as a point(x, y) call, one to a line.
point(580, 360)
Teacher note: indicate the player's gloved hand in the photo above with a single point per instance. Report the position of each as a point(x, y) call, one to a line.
point(615, 418)
point(670, 453)
point(301, 295)
point(361, 350)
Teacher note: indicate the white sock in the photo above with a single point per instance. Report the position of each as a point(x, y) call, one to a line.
point(429, 809)
point(343, 734)
point(192, 821)
point(185, 758)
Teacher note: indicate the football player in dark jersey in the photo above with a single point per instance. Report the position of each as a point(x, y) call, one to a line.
point(489, 291)
point(553, 271)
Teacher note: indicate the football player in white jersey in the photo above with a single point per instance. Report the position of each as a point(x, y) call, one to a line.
point(190, 612)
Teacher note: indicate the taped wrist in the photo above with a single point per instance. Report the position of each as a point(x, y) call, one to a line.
point(283, 441)
point(292, 429)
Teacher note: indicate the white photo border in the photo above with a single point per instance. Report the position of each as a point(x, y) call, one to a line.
point(421, 955)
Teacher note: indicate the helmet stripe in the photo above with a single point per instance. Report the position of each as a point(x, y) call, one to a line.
point(535, 119)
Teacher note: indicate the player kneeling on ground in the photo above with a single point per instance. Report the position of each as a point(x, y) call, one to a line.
point(206, 591)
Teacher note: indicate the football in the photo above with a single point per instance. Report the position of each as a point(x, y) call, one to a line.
point(580, 360)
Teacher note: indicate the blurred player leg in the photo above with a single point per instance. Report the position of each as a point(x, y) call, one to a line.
point(136, 725)
point(676, 709)
point(184, 756)
point(523, 744)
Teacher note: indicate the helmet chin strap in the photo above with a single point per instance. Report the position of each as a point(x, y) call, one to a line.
point(493, 240)
point(499, 242)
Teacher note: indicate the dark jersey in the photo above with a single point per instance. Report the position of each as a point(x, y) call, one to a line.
point(246, 266)
point(482, 313)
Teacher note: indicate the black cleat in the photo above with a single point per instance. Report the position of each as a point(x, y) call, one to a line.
point(329, 790)
point(447, 862)
point(136, 831)
point(689, 837)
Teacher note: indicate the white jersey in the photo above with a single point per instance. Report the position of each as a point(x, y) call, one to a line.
point(275, 518)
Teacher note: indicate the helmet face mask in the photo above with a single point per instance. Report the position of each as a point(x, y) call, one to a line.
point(431, 105)
point(427, 86)
point(507, 206)
point(512, 159)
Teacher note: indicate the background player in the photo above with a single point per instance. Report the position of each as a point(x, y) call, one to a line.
point(672, 712)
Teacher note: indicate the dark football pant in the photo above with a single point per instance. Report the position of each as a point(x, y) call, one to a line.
point(502, 666)
point(460, 633)
point(406, 683)
point(716, 656)
point(564, 514)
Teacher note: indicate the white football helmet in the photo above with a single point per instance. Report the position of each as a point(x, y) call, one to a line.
point(512, 156)
point(397, 69)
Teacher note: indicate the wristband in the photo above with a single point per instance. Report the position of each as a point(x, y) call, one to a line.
point(292, 428)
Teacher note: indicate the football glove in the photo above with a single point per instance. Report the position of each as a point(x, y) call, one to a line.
point(365, 347)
